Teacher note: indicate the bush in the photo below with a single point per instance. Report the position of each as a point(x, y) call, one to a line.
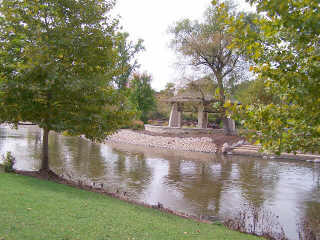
point(9, 161)
point(134, 125)
point(137, 125)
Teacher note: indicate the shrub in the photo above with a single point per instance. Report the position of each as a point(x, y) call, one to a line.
point(134, 125)
point(9, 161)
point(137, 125)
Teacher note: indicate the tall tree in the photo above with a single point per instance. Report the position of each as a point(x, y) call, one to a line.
point(206, 45)
point(286, 56)
point(57, 61)
point(142, 95)
point(127, 63)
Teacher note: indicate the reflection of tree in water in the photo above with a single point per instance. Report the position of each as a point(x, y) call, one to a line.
point(204, 184)
point(174, 175)
point(310, 221)
point(121, 161)
point(256, 177)
point(57, 159)
point(316, 174)
point(2, 133)
point(75, 157)
point(97, 162)
point(33, 136)
point(132, 170)
point(84, 158)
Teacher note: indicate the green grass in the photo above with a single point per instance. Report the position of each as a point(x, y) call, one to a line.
point(36, 209)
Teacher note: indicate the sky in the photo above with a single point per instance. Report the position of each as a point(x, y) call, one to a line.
point(149, 20)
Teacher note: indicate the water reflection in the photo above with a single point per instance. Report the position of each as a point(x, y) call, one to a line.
point(200, 182)
point(257, 180)
point(195, 183)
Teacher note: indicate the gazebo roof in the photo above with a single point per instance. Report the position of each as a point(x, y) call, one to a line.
point(191, 97)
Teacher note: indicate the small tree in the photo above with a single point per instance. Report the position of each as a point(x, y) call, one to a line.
point(57, 61)
point(142, 97)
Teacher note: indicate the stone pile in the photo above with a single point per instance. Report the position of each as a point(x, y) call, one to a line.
point(203, 144)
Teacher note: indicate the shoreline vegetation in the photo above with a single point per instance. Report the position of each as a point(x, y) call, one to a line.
point(49, 207)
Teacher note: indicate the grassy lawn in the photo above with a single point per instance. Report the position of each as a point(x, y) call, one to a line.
point(36, 209)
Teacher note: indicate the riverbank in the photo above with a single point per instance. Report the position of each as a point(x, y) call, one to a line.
point(200, 142)
point(38, 209)
point(208, 143)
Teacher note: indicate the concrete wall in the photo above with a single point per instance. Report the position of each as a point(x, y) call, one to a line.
point(165, 129)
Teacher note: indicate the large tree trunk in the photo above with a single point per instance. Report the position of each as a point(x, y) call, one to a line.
point(45, 151)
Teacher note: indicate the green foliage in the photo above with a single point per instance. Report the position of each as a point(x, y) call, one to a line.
point(58, 60)
point(134, 125)
point(142, 97)
point(254, 92)
point(137, 125)
point(208, 46)
point(285, 55)
point(163, 107)
point(126, 63)
point(8, 162)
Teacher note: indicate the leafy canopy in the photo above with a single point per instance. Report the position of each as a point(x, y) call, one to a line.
point(142, 96)
point(205, 45)
point(286, 56)
point(127, 63)
point(57, 63)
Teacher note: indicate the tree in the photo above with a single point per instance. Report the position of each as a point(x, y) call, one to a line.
point(169, 90)
point(127, 63)
point(207, 46)
point(253, 92)
point(285, 55)
point(163, 107)
point(141, 95)
point(57, 61)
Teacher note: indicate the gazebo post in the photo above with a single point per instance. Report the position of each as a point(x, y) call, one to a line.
point(202, 117)
point(175, 116)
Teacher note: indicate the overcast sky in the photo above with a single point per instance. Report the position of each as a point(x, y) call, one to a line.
point(149, 20)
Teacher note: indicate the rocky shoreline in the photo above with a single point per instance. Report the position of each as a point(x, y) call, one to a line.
point(205, 143)
point(193, 144)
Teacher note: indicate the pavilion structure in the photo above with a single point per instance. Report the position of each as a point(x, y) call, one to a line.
point(202, 105)
point(199, 104)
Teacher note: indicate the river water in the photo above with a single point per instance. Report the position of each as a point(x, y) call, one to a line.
point(205, 185)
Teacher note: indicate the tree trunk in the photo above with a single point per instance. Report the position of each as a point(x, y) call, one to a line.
point(229, 126)
point(226, 125)
point(45, 151)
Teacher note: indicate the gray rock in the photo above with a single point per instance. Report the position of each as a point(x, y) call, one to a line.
point(317, 160)
point(225, 147)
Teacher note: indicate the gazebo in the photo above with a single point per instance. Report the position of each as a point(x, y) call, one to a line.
point(202, 103)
